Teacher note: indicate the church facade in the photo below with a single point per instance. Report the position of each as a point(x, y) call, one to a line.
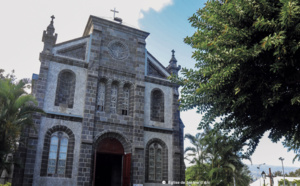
point(111, 115)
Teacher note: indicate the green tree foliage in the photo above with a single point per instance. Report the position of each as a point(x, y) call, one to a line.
point(278, 173)
point(16, 110)
point(216, 159)
point(192, 174)
point(248, 69)
point(197, 155)
point(296, 182)
point(6, 184)
point(295, 173)
point(281, 182)
point(293, 144)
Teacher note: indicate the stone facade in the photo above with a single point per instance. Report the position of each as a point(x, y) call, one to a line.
point(106, 86)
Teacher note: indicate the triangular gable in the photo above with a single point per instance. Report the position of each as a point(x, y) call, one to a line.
point(155, 68)
point(76, 49)
point(153, 71)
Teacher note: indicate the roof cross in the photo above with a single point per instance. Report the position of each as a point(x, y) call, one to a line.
point(114, 10)
point(52, 17)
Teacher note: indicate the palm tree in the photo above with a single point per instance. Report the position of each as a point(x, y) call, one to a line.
point(197, 155)
point(16, 110)
point(226, 159)
point(217, 158)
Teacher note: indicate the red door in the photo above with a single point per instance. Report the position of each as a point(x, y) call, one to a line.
point(113, 148)
point(126, 169)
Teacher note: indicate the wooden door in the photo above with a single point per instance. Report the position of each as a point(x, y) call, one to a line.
point(126, 169)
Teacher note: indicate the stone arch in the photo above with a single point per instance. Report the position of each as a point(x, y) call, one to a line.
point(103, 79)
point(65, 89)
point(115, 82)
point(116, 135)
point(164, 160)
point(128, 83)
point(117, 156)
point(70, 151)
point(157, 109)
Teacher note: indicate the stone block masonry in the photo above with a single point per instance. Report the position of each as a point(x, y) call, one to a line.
point(95, 90)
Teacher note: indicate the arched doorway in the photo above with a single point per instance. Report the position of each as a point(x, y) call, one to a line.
point(112, 165)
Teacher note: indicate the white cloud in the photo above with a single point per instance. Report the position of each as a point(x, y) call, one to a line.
point(133, 10)
point(156, 5)
point(23, 23)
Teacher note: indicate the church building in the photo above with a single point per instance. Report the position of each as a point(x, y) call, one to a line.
point(111, 114)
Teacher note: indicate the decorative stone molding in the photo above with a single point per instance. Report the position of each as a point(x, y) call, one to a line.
point(118, 50)
point(113, 134)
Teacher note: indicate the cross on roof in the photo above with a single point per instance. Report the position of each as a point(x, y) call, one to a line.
point(114, 10)
point(52, 17)
point(173, 51)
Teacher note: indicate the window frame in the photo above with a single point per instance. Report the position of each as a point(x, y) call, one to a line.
point(163, 163)
point(113, 106)
point(154, 103)
point(155, 146)
point(60, 136)
point(101, 108)
point(69, 102)
point(69, 154)
point(126, 100)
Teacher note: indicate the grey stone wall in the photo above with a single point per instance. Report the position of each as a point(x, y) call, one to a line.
point(46, 124)
point(49, 101)
point(128, 70)
point(168, 105)
point(29, 165)
point(23, 175)
point(84, 168)
point(177, 140)
point(89, 125)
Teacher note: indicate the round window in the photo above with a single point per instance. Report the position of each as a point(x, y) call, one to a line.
point(118, 50)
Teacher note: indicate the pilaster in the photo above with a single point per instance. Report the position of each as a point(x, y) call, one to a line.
point(85, 169)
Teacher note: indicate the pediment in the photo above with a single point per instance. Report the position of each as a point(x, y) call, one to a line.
point(154, 71)
point(75, 51)
point(155, 68)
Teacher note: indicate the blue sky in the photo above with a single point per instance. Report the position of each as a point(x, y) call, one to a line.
point(23, 22)
point(167, 30)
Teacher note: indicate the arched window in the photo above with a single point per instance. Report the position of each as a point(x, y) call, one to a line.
point(114, 98)
point(126, 92)
point(58, 154)
point(157, 105)
point(65, 89)
point(101, 96)
point(156, 161)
